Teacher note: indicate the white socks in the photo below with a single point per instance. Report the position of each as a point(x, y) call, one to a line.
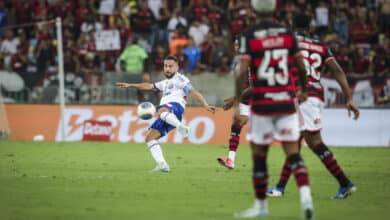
point(305, 196)
point(232, 155)
point(156, 151)
point(170, 118)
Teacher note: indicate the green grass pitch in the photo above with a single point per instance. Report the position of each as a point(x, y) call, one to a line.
point(89, 180)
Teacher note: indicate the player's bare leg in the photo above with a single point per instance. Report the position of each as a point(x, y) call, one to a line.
point(171, 119)
point(314, 141)
point(156, 151)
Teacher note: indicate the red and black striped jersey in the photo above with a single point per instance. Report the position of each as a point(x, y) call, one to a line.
point(316, 56)
point(271, 48)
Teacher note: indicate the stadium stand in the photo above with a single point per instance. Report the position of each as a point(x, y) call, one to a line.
point(357, 31)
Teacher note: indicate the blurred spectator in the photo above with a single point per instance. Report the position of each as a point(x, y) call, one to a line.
point(81, 12)
point(23, 10)
point(343, 58)
point(340, 25)
point(322, 17)
point(208, 46)
point(40, 10)
point(197, 9)
point(3, 17)
point(181, 57)
point(360, 63)
point(237, 25)
point(379, 67)
point(106, 7)
point(155, 6)
point(198, 31)
point(60, 8)
point(91, 24)
point(383, 98)
point(179, 38)
point(92, 75)
point(384, 19)
point(360, 30)
point(133, 57)
point(142, 22)
point(43, 55)
point(223, 67)
point(8, 48)
point(152, 96)
point(162, 33)
point(157, 58)
point(193, 55)
point(177, 20)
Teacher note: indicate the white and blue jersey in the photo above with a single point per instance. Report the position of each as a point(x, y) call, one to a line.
point(174, 93)
point(174, 89)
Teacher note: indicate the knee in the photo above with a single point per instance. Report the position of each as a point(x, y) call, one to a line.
point(259, 150)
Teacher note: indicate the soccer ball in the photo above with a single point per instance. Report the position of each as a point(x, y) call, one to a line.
point(146, 110)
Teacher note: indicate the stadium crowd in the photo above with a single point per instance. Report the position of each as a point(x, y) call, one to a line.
point(199, 32)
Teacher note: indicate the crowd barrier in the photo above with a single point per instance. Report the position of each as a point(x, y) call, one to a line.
point(27, 121)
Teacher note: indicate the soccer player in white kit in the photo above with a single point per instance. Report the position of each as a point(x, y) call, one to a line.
point(171, 109)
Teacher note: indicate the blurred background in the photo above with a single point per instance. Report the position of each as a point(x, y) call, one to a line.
point(105, 41)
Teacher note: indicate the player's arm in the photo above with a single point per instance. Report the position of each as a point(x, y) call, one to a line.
point(246, 94)
point(194, 93)
point(242, 75)
point(298, 59)
point(229, 102)
point(339, 75)
point(140, 86)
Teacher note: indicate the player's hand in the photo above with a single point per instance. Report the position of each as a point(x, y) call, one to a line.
point(211, 109)
point(122, 85)
point(302, 96)
point(352, 108)
point(228, 103)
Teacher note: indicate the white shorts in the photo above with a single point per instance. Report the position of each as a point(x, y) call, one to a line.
point(244, 109)
point(263, 130)
point(311, 112)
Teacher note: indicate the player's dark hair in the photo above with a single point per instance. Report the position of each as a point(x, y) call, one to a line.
point(301, 21)
point(174, 58)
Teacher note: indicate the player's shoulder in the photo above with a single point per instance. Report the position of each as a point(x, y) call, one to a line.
point(181, 78)
point(309, 39)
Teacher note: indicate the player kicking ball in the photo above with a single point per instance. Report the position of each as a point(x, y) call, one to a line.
point(174, 90)
point(317, 56)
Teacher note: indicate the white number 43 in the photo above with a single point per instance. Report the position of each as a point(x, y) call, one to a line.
point(267, 72)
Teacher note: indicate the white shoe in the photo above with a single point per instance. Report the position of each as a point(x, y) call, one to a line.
point(183, 130)
point(162, 167)
point(259, 209)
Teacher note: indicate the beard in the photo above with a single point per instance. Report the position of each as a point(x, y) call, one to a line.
point(168, 75)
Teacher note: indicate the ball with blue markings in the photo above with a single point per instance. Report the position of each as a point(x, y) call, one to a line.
point(146, 110)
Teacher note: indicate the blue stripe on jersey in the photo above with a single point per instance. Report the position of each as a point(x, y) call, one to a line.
point(187, 88)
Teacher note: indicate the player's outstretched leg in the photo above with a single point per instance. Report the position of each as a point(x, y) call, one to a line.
point(171, 119)
point(333, 167)
point(260, 179)
point(234, 141)
point(326, 156)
